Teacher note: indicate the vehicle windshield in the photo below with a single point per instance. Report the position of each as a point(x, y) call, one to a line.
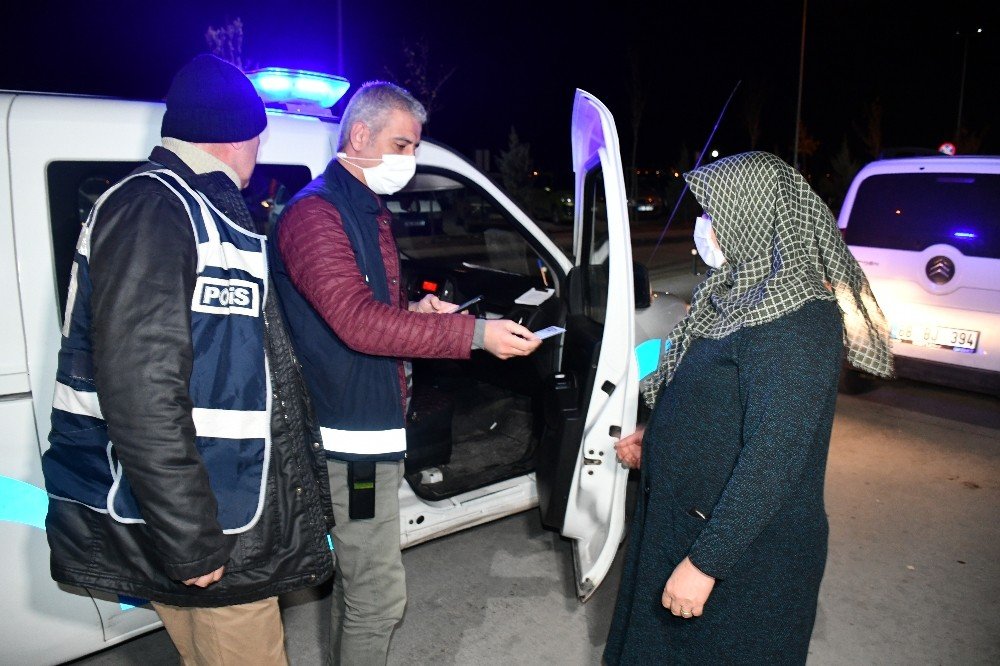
point(913, 211)
point(444, 219)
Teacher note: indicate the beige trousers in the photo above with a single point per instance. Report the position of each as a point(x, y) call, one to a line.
point(244, 634)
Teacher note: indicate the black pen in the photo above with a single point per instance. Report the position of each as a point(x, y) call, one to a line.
point(468, 303)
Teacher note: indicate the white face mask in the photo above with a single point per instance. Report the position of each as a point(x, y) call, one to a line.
point(707, 244)
point(390, 175)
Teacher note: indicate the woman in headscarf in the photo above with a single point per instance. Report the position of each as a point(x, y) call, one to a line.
point(729, 537)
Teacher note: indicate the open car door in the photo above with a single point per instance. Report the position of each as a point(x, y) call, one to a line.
point(595, 397)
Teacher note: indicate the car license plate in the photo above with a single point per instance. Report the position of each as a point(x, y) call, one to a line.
point(942, 337)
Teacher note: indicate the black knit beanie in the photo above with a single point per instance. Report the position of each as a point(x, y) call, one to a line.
point(211, 101)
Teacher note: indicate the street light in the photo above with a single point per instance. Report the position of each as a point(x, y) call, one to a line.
point(798, 104)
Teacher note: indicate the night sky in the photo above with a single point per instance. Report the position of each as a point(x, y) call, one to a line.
point(517, 63)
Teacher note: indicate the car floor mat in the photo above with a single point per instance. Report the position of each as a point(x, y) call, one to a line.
point(493, 441)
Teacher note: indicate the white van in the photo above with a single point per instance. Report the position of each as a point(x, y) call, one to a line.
point(487, 439)
point(926, 231)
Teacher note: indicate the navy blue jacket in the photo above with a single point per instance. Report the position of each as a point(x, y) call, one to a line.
point(144, 273)
point(356, 396)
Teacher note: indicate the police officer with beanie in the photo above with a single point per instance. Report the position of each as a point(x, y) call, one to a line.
point(183, 465)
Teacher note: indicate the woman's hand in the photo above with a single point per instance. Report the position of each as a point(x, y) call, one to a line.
point(629, 449)
point(687, 590)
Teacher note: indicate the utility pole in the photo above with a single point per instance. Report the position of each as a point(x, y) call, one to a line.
point(798, 105)
point(961, 87)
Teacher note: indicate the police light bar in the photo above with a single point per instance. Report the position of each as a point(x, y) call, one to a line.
point(298, 86)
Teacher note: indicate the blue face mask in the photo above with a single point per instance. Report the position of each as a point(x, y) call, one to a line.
point(706, 242)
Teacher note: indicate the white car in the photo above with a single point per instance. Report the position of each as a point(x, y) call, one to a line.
point(926, 231)
point(487, 439)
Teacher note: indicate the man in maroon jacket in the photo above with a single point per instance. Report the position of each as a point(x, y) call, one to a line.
point(337, 270)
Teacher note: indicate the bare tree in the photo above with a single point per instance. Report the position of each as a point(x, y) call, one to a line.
point(226, 42)
point(515, 167)
point(689, 207)
point(418, 76)
point(808, 145)
point(968, 142)
point(843, 168)
point(871, 134)
point(753, 107)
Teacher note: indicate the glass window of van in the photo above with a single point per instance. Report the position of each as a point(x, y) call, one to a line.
point(913, 211)
point(595, 246)
point(73, 189)
point(441, 217)
point(270, 189)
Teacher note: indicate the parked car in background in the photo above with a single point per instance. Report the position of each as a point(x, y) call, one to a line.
point(646, 205)
point(646, 191)
point(926, 230)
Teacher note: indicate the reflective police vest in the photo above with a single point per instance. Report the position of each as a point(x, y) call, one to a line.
point(229, 386)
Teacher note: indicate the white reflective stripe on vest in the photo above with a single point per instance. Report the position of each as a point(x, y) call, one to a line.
point(227, 255)
point(215, 251)
point(364, 442)
point(83, 403)
point(231, 424)
point(224, 423)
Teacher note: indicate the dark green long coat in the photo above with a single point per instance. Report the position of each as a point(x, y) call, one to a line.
point(740, 436)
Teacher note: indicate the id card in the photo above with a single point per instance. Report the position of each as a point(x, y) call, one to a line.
point(549, 331)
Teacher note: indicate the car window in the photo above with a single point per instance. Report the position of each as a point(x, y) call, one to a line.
point(74, 187)
point(913, 211)
point(440, 217)
point(549, 203)
point(270, 188)
point(595, 246)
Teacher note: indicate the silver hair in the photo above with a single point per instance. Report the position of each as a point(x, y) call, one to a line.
point(371, 105)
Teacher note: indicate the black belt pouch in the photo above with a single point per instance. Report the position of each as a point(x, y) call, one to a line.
point(361, 489)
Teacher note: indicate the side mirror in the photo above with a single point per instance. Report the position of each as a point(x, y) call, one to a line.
point(640, 281)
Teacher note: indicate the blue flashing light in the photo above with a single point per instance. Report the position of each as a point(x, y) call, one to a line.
point(274, 84)
point(964, 234)
point(298, 86)
point(23, 503)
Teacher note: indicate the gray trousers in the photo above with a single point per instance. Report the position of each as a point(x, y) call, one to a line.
point(369, 590)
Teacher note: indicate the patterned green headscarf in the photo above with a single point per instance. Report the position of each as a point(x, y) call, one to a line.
point(782, 249)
